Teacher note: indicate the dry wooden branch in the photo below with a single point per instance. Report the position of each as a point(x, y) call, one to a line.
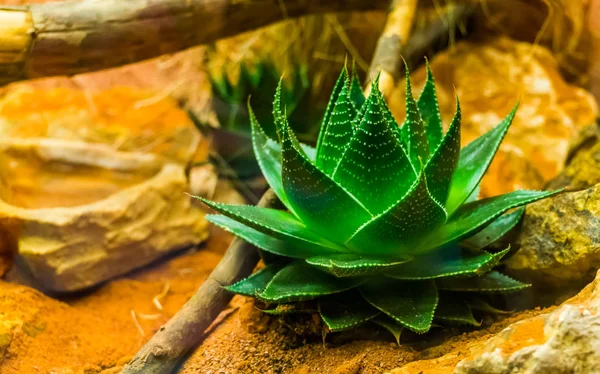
point(185, 330)
point(388, 53)
point(399, 41)
point(77, 36)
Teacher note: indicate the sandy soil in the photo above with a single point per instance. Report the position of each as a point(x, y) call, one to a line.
point(251, 342)
point(102, 328)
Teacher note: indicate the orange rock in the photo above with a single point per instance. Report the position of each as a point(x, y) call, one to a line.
point(125, 118)
point(489, 80)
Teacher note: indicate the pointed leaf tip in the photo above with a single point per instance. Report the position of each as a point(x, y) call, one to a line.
point(339, 84)
point(374, 167)
point(356, 93)
point(473, 217)
point(474, 161)
point(430, 111)
point(413, 131)
point(339, 131)
point(490, 282)
point(440, 167)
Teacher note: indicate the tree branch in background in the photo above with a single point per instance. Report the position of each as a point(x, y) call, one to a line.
point(388, 53)
point(399, 41)
point(78, 36)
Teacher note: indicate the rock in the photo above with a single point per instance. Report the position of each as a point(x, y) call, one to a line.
point(87, 213)
point(566, 340)
point(489, 78)
point(583, 170)
point(96, 330)
point(205, 182)
point(125, 118)
point(559, 244)
point(560, 27)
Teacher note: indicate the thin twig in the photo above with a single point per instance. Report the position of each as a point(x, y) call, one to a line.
point(136, 323)
point(156, 299)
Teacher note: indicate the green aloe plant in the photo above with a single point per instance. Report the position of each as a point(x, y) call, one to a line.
point(382, 222)
point(256, 83)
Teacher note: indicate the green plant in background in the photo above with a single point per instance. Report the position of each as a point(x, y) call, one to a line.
point(256, 83)
point(382, 222)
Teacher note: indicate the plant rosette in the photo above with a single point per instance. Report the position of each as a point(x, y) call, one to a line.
point(382, 223)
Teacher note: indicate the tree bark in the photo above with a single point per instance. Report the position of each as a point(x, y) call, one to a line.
point(163, 352)
point(387, 59)
point(77, 36)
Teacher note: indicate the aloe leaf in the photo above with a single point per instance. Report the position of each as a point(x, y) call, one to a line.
point(452, 309)
point(352, 265)
point(345, 310)
point(300, 281)
point(356, 91)
point(378, 179)
point(474, 161)
point(278, 116)
point(495, 230)
point(268, 155)
point(398, 230)
point(339, 132)
point(412, 304)
point(288, 247)
point(309, 151)
point(441, 165)
point(255, 283)
point(483, 306)
point(474, 196)
point(389, 117)
point(473, 217)
point(320, 202)
point(489, 282)
point(359, 116)
point(446, 262)
point(390, 325)
point(339, 85)
point(277, 223)
point(413, 130)
point(430, 112)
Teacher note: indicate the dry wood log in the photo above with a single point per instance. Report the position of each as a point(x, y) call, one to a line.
point(77, 36)
point(398, 41)
point(163, 352)
point(388, 53)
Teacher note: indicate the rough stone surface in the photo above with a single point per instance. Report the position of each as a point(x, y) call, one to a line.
point(489, 79)
point(88, 213)
point(559, 244)
point(205, 182)
point(126, 119)
point(566, 340)
point(583, 170)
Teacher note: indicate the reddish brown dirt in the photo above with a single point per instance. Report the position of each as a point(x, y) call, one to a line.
point(247, 342)
point(96, 331)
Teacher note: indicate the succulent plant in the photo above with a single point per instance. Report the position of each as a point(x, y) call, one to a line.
point(256, 83)
point(382, 223)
